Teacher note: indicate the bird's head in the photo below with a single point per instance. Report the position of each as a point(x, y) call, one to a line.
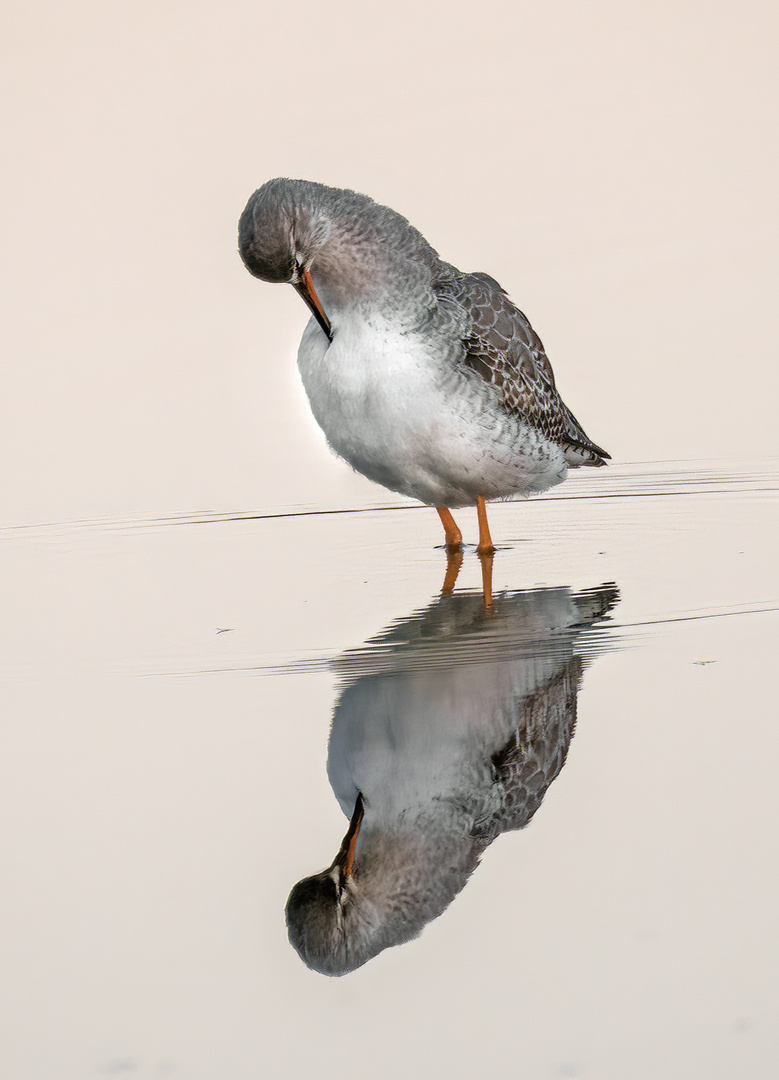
point(328, 920)
point(280, 235)
point(378, 895)
point(356, 251)
point(282, 230)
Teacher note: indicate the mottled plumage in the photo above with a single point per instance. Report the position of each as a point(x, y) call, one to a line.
point(425, 379)
point(450, 730)
point(504, 349)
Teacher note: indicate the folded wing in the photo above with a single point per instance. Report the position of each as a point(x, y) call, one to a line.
point(501, 346)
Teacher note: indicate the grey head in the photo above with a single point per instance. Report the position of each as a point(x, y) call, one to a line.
point(282, 228)
point(329, 923)
point(346, 243)
point(401, 880)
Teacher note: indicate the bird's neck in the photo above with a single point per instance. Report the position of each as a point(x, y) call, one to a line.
point(392, 271)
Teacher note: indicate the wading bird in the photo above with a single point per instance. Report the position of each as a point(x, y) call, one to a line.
point(425, 379)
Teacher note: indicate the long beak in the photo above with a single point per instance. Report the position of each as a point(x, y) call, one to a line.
point(344, 860)
point(306, 289)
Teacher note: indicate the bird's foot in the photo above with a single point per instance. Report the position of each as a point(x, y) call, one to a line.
point(485, 545)
point(452, 534)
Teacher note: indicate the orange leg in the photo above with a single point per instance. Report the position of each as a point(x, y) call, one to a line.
point(454, 537)
point(486, 578)
point(485, 546)
point(454, 560)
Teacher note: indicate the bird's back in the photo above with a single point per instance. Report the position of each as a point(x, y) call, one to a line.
point(501, 347)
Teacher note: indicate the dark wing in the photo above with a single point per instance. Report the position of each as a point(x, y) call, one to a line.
point(504, 349)
point(524, 768)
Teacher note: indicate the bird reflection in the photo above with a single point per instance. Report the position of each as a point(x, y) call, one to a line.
point(449, 730)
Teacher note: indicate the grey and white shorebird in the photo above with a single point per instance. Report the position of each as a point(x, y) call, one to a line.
point(448, 733)
point(425, 379)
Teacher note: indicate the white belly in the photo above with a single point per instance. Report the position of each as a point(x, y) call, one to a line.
point(406, 420)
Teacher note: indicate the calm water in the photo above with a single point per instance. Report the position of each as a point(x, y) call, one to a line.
point(190, 701)
point(192, 704)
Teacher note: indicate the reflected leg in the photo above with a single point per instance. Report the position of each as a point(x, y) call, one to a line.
point(454, 560)
point(486, 578)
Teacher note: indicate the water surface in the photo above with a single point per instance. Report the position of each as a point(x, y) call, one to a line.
point(169, 688)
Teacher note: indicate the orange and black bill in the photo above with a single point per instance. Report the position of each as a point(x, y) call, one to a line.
point(305, 287)
point(344, 860)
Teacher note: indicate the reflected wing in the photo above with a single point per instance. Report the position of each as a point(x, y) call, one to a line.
point(525, 767)
point(502, 347)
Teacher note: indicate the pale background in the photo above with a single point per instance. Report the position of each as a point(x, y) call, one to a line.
point(614, 165)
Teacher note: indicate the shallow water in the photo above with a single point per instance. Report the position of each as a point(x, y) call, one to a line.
point(168, 691)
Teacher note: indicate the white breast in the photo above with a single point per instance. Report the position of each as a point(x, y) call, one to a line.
point(402, 417)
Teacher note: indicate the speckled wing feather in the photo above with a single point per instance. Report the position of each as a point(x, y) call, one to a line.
point(524, 768)
point(502, 347)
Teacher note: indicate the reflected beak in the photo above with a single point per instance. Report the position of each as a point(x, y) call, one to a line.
point(344, 860)
point(306, 289)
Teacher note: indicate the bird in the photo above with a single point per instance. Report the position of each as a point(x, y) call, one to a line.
point(448, 731)
point(427, 380)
